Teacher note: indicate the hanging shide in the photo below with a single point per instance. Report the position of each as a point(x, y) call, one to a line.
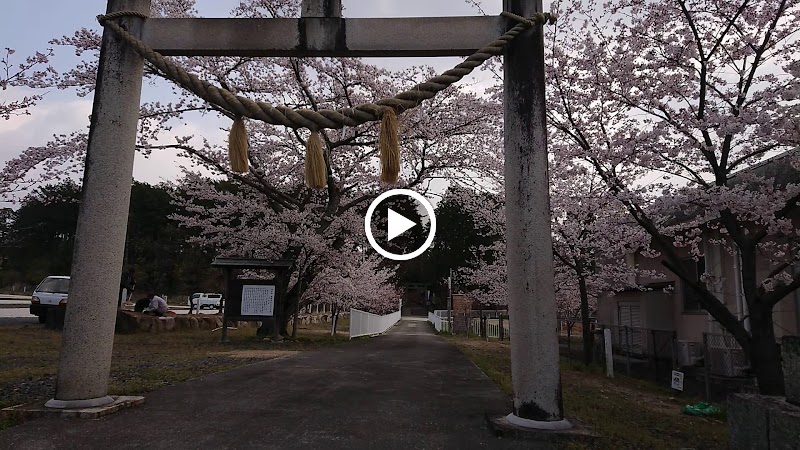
point(389, 147)
point(316, 171)
point(238, 146)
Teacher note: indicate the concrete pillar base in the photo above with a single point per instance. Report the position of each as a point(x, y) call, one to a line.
point(562, 424)
point(79, 404)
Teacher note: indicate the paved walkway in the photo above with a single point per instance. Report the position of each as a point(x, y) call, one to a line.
point(407, 389)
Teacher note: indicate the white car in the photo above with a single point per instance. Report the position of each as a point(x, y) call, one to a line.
point(205, 300)
point(50, 294)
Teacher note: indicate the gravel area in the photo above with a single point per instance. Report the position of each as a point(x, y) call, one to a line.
point(28, 390)
point(5, 321)
point(25, 391)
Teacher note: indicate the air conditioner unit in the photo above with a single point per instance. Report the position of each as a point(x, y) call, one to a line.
point(689, 353)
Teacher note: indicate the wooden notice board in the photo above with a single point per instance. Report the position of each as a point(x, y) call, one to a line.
point(252, 299)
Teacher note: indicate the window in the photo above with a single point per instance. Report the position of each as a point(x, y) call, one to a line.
point(54, 285)
point(695, 269)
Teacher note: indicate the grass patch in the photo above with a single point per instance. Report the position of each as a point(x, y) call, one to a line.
point(142, 362)
point(624, 412)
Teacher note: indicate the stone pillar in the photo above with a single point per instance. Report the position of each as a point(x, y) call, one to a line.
point(757, 421)
point(102, 221)
point(607, 345)
point(535, 370)
point(321, 8)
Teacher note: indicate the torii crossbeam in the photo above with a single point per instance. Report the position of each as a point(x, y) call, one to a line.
point(321, 31)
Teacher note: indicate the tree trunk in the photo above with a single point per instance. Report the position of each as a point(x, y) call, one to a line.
point(296, 311)
point(762, 348)
point(334, 319)
point(764, 354)
point(569, 338)
point(587, 332)
point(266, 328)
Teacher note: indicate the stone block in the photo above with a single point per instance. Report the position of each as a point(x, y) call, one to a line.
point(790, 351)
point(36, 410)
point(144, 325)
point(171, 324)
point(126, 323)
point(784, 425)
point(757, 422)
point(748, 422)
point(579, 435)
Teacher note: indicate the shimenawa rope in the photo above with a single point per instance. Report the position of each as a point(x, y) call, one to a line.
point(315, 120)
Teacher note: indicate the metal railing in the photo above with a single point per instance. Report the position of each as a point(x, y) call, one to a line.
point(363, 323)
point(724, 356)
point(642, 342)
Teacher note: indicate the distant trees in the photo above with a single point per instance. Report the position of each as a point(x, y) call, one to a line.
point(465, 238)
point(37, 240)
point(39, 236)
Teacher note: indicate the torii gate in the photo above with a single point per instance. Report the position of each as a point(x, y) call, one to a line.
point(321, 31)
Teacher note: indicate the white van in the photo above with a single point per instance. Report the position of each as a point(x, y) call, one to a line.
point(50, 294)
point(205, 300)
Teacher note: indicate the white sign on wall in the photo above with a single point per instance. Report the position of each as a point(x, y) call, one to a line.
point(258, 300)
point(677, 380)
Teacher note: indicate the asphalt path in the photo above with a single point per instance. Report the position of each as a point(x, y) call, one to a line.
point(406, 389)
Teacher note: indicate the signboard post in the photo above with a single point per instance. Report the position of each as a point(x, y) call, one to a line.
point(677, 380)
point(253, 300)
point(258, 300)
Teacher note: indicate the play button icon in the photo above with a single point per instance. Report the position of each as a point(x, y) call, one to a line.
point(397, 225)
point(392, 226)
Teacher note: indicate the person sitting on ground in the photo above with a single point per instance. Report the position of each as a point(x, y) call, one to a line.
point(141, 304)
point(157, 307)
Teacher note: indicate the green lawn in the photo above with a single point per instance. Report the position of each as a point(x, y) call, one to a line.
point(624, 412)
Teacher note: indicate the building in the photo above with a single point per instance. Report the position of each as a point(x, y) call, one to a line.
point(671, 306)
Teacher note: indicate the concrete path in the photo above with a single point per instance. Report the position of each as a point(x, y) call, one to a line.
point(406, 389)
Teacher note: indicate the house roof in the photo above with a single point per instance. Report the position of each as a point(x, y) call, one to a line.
point(778, 168)
point(650, 286)
point(250, 263)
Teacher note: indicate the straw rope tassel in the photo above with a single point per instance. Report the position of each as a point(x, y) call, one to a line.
point(238, 146)
point(316, 171)
point(389, 147)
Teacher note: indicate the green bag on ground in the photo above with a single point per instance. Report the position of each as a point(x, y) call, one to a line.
point(701, 409)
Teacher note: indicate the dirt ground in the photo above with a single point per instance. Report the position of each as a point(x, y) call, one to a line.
point(141, 362)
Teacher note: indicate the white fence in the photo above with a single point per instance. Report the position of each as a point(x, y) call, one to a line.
point(363, 323)
point(492, 328)
point(440, 322)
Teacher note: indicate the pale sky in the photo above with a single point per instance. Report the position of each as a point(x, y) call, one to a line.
point(27, 26)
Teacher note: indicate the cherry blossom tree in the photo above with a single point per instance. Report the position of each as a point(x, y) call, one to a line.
point(694, 92)
point(590, 241)
point(356, 283)
point(269, 213)
point(21, 77)
point(24, 74)
point(591, 237)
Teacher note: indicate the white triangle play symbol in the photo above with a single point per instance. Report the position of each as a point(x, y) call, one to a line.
point(398, 225)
